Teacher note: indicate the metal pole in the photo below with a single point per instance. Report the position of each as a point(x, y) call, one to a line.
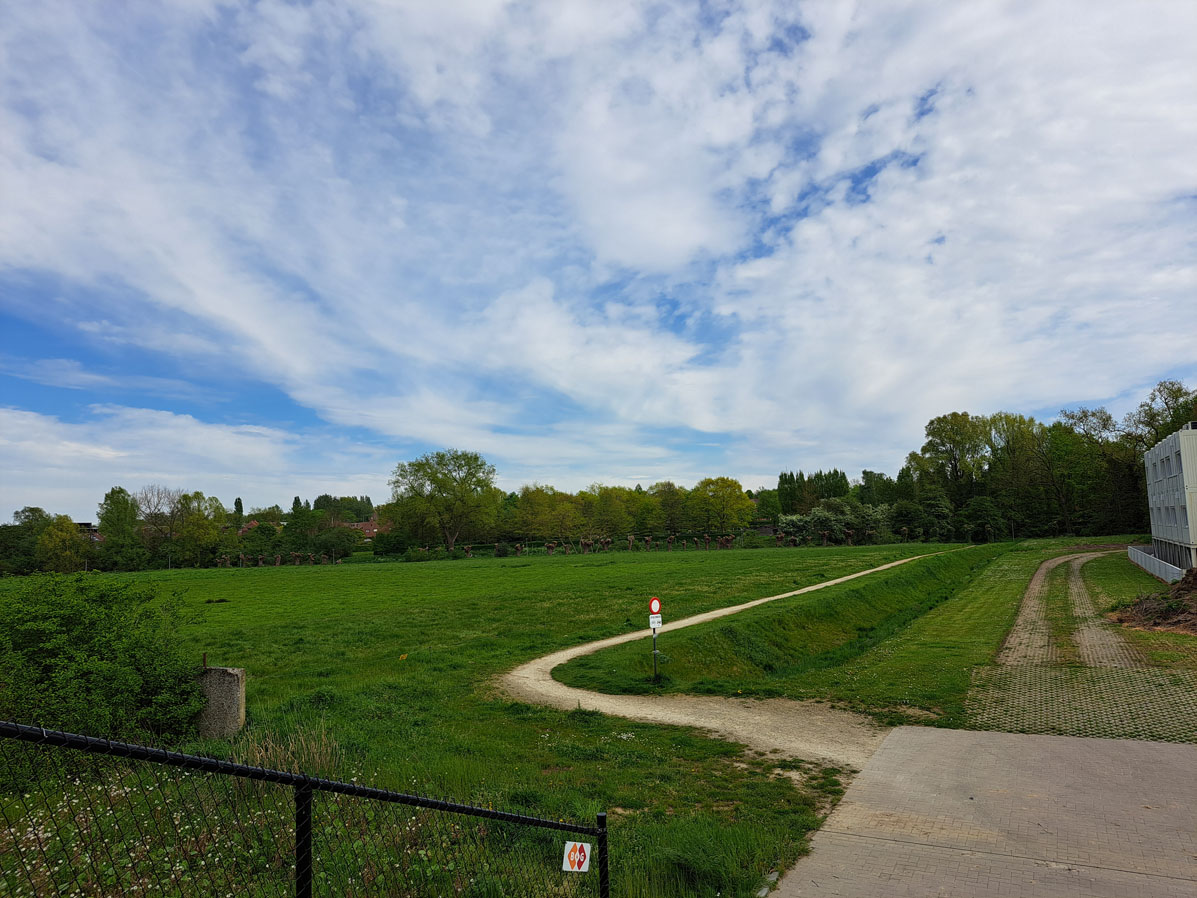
point(654, 654)
point(604, 875)
point(303, 841)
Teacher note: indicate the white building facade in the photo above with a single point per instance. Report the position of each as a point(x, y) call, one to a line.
point(1172, 497)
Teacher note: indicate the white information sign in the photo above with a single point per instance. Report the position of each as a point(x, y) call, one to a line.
point(577, 857)
point(654, 621)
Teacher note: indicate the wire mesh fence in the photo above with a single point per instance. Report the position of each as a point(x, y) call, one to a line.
point(81, 816)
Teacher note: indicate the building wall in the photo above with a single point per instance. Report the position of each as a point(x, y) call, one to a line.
point(1171, 468)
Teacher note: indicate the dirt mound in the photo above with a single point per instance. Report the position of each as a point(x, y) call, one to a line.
point(1174, 609)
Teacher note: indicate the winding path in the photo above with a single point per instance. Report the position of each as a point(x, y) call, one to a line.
point(788, 728)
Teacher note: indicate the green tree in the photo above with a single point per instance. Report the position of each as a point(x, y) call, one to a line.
point(118, 517)
point(338, 542)
point(876, 489)
point(936, 522)
point(609, 515)
point(238, 513)
point(18, 540)
point(452, 487)
point(200, 521)
point(62, 548)
point(768, 505)
point(719, 503)
point(980, 521)
point(671, 505)
point(955, 453)
point(160, 510)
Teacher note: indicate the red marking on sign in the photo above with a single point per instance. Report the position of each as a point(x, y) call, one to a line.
point(654, 605)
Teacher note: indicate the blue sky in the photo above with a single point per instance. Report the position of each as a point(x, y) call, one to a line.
point(261, 249)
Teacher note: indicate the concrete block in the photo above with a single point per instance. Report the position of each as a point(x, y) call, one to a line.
point(224, 706)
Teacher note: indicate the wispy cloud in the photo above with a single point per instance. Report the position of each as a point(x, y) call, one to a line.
point(71, 375)
point(587, 239)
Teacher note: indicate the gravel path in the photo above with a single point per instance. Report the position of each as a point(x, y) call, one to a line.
point(792, 729)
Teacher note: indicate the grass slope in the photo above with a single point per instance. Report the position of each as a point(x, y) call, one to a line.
point(1115, 580)
point(393, 664)
point(895, 644)
point(790, 647)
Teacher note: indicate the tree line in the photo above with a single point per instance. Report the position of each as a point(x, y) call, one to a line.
point(163, 527)
point(975, 478)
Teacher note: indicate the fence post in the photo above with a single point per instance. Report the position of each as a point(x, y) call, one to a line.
point(604, 876)
point(303, 841)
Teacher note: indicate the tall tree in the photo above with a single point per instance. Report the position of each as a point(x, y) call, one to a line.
point(719, 503)
point(671, 500)
point(452, 487)
point(118, 516)
point(200, 521)
point(955, 452)
point(160, 512)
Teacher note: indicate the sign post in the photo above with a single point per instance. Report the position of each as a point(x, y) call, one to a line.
point(654, 623)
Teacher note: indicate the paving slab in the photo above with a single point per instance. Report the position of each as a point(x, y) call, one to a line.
point(954, 812)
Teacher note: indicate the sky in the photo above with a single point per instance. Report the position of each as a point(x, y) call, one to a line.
point(267, 249)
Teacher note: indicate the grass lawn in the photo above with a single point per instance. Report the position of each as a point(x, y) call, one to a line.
point(384, 672)
point(1115, 580)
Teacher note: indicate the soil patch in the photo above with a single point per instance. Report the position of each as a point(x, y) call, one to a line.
point(1173, 609)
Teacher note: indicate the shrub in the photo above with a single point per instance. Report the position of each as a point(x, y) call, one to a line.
point(95, 655)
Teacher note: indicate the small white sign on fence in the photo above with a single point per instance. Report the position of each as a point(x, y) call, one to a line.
point(577, 857)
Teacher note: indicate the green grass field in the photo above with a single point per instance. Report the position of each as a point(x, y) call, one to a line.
point(394, 665)
point(385, 672)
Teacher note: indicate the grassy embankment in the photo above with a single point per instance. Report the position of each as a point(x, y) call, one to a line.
point(1115, 580)
point(902, 645)
point(394, 664)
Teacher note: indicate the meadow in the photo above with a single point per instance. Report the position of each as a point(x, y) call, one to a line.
point(384, 673)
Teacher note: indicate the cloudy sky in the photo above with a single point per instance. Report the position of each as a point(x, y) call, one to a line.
point(262, 249)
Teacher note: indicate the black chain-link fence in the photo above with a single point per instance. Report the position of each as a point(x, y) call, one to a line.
point(81, 816)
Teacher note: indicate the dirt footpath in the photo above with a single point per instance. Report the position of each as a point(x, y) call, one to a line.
point(792, 729)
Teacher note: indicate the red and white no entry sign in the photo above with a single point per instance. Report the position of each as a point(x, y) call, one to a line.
point(654, 605)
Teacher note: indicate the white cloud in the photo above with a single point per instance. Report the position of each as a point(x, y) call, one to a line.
point(580, 236)
point(67, 467)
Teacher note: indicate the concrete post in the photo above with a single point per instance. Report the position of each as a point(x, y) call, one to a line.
point(223, 715)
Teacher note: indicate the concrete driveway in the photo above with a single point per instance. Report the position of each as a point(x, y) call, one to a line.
point(962, 813)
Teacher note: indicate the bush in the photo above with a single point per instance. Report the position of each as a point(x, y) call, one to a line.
point(388, 543)
point(435, 553)
point(95, 655)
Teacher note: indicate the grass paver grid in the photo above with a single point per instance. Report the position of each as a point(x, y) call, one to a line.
point(1106, 702)
point(1110, 691)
